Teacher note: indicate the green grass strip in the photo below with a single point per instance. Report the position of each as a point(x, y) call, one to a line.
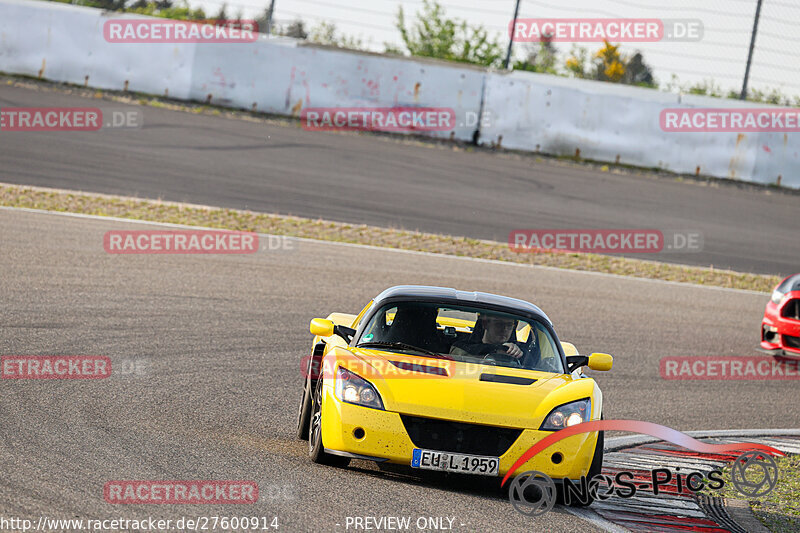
point(234, 219)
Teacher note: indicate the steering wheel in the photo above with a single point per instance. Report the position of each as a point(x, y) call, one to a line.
point(504, 357)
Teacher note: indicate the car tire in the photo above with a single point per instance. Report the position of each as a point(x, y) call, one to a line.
point(316, 450)
point(596, 467)
point(304, 413)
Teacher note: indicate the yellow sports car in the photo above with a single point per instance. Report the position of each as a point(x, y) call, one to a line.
point(448, 380)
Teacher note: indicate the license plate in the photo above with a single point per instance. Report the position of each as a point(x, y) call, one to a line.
point(481, 465)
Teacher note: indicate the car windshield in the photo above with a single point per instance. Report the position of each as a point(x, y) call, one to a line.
point(464, 334)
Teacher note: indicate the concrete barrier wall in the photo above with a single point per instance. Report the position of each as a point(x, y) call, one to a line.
point(285, 78)
point(65, 43)
point(603, 121)
point(522, 110)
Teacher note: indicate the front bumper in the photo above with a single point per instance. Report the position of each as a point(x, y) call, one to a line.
point(780, 335)
point(778, 351)
point(385, 439)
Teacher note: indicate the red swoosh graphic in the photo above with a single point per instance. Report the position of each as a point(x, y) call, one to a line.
point(636, 426)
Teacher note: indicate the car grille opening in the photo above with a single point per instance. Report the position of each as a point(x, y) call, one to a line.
point(791, 309)
point(791, 342)
point(459, 437)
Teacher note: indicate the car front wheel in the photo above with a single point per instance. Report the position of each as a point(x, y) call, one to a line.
point(316, 451)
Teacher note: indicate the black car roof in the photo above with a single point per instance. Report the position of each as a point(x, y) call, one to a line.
point(449, 295)
point(792, 283)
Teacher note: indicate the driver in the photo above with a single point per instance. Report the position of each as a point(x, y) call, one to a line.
point(494, 335)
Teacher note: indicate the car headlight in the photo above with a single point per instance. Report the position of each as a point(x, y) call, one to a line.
point(567, 415)
point(777, 296)
point(354, 389)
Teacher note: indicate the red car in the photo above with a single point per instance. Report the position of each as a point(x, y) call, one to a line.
point(780, 328)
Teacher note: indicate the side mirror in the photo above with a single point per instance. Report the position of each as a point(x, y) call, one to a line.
point(600, 361)
point(325, 328)
point(321, 327)
point(596, 361)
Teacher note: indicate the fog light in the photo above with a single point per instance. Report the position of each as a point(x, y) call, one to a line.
point(557, 458)
point(359, 433)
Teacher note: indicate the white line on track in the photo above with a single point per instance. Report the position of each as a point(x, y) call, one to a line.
point(595, 519)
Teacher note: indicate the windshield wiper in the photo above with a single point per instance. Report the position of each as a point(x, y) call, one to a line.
point(401, 345)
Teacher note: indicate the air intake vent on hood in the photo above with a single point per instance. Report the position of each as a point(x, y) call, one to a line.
point(513, 380)
point(416, 367)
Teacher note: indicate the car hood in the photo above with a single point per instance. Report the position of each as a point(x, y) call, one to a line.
point(465, 392)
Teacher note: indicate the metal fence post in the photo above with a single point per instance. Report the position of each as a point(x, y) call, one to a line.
point(743, 96)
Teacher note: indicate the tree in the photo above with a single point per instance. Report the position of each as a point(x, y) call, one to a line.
point(265, 19)
point(638, 73)
point(608, 64)
point(166, 9)
point(296, 29)
point(576, 62)
point(109, 5)
point(541, 57)
point(434, 35)
point(222, 14)
point(706, 87)
point(325, 33)
point(160, 5)
point(771, 96)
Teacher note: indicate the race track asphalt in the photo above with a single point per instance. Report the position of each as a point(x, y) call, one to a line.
point(218, 340)
point(376, 180)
